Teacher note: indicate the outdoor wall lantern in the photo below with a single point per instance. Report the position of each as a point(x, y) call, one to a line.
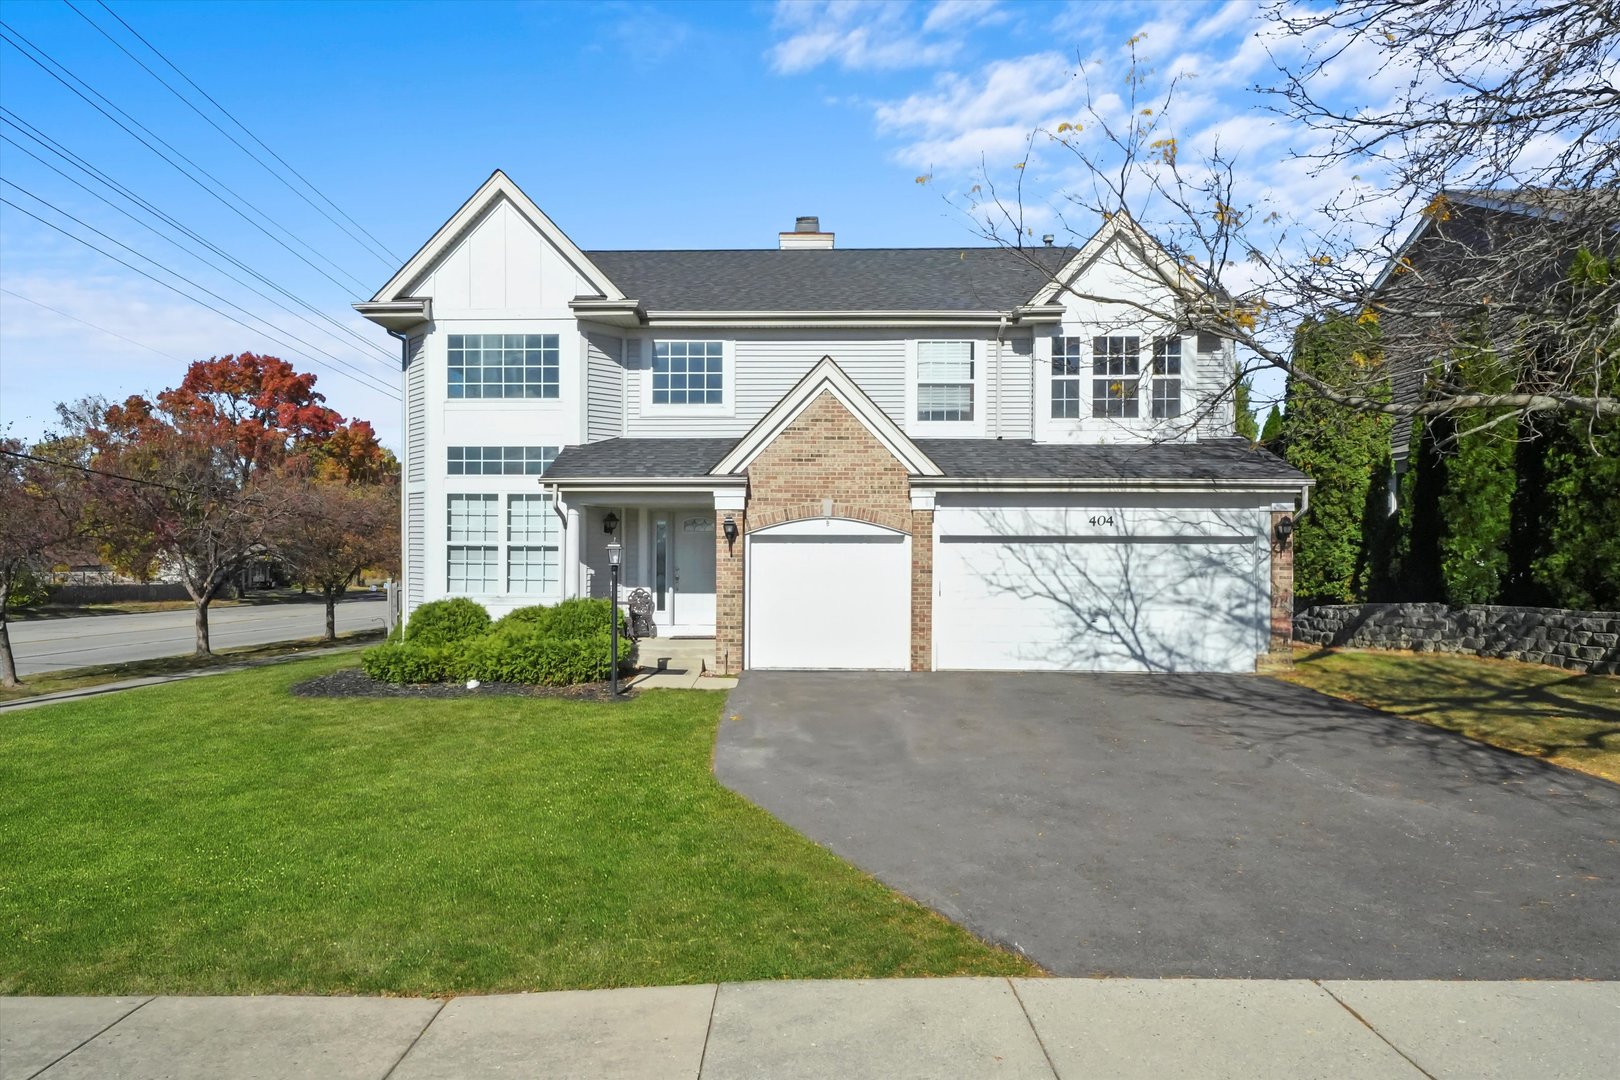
point(729, 527)
point(1285, 529)
point(610, 523)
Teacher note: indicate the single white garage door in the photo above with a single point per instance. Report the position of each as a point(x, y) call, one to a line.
point(1066, 602)
point(828, 593)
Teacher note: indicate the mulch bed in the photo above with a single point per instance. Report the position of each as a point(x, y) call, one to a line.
point(352, 682)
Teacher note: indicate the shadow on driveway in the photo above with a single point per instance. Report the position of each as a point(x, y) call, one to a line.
point(1190, 825)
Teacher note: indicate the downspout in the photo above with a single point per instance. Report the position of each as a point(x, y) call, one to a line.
point(405, 444)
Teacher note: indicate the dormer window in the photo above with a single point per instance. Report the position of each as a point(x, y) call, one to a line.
point(1116, 367)
point(944, 381)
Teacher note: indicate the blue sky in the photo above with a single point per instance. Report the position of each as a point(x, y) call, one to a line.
point(632, 125)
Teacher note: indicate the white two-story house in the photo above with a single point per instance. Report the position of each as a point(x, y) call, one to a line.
point(823, 457)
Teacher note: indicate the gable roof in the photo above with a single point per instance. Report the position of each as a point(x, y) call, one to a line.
point(498, 186)
point(1118, 228)
point(827, 377)
point(833, 279)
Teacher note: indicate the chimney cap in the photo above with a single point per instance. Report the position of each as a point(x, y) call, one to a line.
point(807, 223)
point(806, 234)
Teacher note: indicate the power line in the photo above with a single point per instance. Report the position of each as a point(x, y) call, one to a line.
point(170, 161)
point(200, 257)
point(95, 472)
point(250, 134)
point(384, 357)
point(196, 285)
point(361, 378)
point(212, 123)
point(91, 325)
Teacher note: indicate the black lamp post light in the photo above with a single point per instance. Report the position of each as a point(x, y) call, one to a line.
point(613, 550)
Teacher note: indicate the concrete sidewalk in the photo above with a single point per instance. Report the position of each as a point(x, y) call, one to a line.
point(893, 1028)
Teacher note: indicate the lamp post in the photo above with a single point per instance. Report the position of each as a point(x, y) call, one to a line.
point(613, 607)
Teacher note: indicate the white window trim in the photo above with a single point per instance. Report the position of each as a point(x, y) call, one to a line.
point(728, 378)
point(981, 406)
point(1086, 426)
point(502, 544)
point(571, 355)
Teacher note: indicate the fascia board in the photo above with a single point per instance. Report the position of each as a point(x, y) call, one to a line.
point(499, 185)
point(1102, 484)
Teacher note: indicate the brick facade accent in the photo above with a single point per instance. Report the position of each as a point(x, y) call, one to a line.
point(826, 453)
point(728, 593)
point(1282, 588)
point(922, 590)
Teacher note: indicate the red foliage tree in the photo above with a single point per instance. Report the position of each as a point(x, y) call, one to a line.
point(330, 530)
point(39, 511)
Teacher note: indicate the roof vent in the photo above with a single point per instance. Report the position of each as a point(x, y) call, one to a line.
point(806, 234)
point(1047, 239)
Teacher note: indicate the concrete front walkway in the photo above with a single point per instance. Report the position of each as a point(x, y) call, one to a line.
point(1076, 1028)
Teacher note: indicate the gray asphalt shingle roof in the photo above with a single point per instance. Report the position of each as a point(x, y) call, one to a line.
point(1007, 459)
point(994, 459)
point(835, 279)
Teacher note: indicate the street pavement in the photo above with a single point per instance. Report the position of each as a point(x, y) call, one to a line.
point(84, 640)
point(1099, 1029)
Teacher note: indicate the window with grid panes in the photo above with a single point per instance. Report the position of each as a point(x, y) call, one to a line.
point(944, 381)
point(1166, 384)
point(1068, 359)
point(504, 365)
point(533, 548)
point(473, 527)
point(688, 373)
point(1116, 365)
point(500, 460)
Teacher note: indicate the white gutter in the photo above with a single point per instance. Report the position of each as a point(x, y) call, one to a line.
point(857, 319)
point(1059, 484)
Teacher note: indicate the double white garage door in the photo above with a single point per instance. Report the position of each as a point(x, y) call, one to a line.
point(1017, 589)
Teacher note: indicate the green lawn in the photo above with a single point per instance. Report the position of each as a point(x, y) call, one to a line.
point(219, 836)
point(1571, 720)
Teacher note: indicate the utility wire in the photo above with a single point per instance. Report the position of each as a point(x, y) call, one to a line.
point(361, 378)
point(179, 168)
point(250, 134)
point(96, 472)
point(204, 259)
point(383, 356)
point(91, 325)
point(234, 140)
point(196, 285)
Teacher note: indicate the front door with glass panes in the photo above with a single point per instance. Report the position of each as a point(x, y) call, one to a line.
point(682, 572)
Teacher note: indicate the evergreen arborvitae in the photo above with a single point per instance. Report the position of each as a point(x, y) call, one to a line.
point(1474, 505)
point(1243, 410)
point(1344, 450)
point(1271, 436)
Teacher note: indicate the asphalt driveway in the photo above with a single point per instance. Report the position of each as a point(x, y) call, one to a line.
point(1190, 825)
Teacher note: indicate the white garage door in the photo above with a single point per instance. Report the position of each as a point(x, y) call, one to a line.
point(828, 593)
point(1065, 601)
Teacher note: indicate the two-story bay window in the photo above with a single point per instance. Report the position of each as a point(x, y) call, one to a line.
point(688, 373)
point(1067, 361)
point(504, 365)
point(473, 528)
point(1116, 367)
point(1166, 378)
point(944, 381)
point(533, 559)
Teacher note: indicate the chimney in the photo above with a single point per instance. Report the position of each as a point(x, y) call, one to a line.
point(806, 234)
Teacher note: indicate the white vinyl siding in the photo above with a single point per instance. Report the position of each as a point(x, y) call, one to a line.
point(415, 412)
point(945, 383)
point(415, 549)
point(604, 387)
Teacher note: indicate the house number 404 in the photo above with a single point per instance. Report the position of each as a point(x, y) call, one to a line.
point(1102, 519)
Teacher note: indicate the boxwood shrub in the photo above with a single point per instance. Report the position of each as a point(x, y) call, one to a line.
point(542, 646)
point(443, 622)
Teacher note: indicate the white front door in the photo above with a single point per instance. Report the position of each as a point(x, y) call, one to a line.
point(684, 572)
point(828, 594)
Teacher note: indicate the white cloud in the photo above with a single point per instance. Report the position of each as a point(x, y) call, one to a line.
point(964, 13)
point(868, 36)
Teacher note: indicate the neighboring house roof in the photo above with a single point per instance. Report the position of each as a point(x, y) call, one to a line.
point(1022, 459)
point(834, 279)
point(989, 459)
point(651, 459)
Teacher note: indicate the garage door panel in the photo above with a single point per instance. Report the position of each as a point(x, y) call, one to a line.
point(1098, 604)
point(829, 602)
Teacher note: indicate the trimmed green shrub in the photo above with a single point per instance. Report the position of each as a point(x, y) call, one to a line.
point(580, 617)
point(411, 663)
point(445, 621)
point(541, 659)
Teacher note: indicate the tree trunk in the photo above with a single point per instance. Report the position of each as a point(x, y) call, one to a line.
point(331, 614)
point(202, 624)
point(8, 663)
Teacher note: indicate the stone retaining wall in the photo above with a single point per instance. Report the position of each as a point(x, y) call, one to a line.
point(1576, 640)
